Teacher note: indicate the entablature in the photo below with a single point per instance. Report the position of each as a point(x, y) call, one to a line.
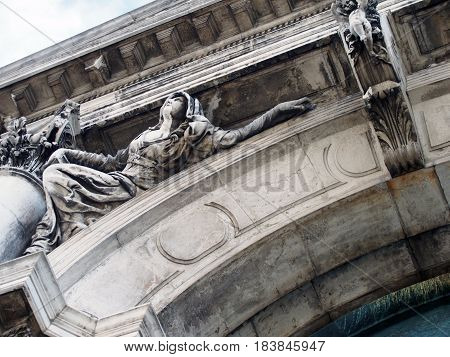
point(139, 44)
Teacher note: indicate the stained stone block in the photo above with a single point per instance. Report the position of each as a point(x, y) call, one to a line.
point(60, 85)
point(24, 99)
point(286, 315)
point(244, 14)
point(421, 204)
point(241, 289)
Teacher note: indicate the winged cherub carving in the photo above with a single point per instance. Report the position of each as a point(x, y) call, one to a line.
point(361, 23)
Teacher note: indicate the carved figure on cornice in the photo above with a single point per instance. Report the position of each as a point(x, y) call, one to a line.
point(81, 187)
point(26, 150)
point(360, 23)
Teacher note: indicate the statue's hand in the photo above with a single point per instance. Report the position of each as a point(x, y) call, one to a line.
point(294, 107)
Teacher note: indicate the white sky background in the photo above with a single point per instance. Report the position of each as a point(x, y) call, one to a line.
point(58, 19)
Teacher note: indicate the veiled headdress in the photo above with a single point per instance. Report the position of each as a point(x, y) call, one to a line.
point(194, 110)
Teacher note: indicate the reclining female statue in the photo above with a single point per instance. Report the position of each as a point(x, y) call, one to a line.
point(80, 187)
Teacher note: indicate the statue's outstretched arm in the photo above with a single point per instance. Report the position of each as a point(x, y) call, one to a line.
point(278, 114)
point(100, 162)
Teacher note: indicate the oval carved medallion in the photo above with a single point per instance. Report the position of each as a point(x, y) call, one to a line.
point(192, 236)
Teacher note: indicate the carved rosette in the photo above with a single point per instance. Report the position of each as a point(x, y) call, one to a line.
point(394, 128)
point(29, 150)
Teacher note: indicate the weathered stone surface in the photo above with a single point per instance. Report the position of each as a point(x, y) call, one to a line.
point(98, 70)
point(385, 269)
point(32, 304)
point(418, 32)
point(261, 184)
point(240, 289)
point(60, 84)
point(351, 227)
point(299, 308)
point(421, 204)
point(432, 249)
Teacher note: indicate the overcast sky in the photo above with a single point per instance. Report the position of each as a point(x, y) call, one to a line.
point(58, 19)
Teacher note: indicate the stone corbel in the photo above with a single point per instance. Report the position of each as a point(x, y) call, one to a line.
point(98, 70)
point(60, 85)
point(24, 99)
point(207, 29)
point(244, 14)
point(394, 128)
point(170, 42)
point(133, 55)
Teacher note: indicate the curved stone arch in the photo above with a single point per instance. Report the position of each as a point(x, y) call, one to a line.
point(287, 276)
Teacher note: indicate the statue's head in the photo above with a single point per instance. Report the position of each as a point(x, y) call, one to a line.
point(347, 6)
point(175, 107)
point(180, 107)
